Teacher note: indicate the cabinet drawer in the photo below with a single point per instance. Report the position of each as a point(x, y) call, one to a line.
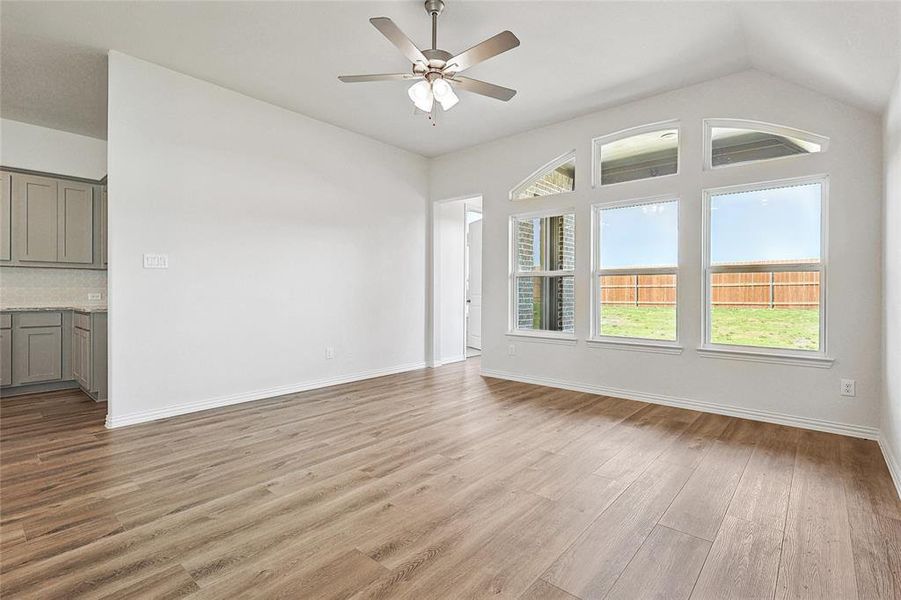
point(6, 321)
point(83, 321)
point(39, 319)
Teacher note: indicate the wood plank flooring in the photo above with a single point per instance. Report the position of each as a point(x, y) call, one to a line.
point(438, 484)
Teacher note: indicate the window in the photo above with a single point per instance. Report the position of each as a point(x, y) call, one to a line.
point(635, 272)
point(765, 275)
point(731, 142)
point(640, 153)
point(543, 286)
point(556, 177)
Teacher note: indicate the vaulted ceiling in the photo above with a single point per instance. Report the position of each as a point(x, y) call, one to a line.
point(575, 57)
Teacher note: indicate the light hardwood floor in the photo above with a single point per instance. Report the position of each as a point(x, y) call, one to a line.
point(439, 484)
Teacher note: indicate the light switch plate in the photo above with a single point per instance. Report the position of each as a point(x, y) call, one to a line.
point(156, 261)
point(95, 296)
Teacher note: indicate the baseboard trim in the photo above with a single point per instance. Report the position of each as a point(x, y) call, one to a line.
point(192, 407)
point(894, 465)
point(870, 433)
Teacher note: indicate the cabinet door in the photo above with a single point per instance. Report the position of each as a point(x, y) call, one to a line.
point(77, 344)
point(5, 216)
point(36, 213)
point(6, 357)
point(104, 227)
point(81, 357)
point(38, 354)
point(75, 243)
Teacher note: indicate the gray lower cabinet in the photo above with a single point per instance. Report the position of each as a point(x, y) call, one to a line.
point(44, 350)
point(6, 350)
point(89, 353)
point(81, 357)
point(37, 353)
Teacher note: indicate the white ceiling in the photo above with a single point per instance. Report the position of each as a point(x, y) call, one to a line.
point(575, 57)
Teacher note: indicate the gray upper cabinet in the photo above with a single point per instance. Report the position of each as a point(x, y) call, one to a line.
point(51, 222)
point(75, 239)
point(5, 216)
point(36, 218)
point(104, 227)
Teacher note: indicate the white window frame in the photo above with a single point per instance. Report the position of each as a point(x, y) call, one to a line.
point(598, 142)
point(708, 348)
point(514, 273)
point(783, 130)
point(539, 172)
point(623, 342)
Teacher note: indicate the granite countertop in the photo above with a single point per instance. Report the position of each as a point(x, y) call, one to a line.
point(85, 309)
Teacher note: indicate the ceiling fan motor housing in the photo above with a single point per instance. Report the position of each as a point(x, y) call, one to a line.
point(434, 7)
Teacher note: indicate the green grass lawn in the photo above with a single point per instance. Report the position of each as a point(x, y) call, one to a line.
point(772, 328)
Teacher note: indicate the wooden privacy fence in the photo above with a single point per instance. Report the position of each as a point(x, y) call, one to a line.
point(787, 289)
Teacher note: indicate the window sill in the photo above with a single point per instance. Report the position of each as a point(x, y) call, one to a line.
point(545, 336)
point(636, 345)
point(818, 361)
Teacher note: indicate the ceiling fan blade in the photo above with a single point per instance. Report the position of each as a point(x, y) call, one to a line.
point(483, 88)
point(399, 39)
point(493, 46)
point(378, 77)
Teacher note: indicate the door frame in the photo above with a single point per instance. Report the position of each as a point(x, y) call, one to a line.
point(467, 271)
point(433, 328)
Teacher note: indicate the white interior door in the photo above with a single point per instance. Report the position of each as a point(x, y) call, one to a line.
point(474, 291)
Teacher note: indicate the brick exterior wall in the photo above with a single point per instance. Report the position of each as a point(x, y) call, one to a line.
point(524, 289)
point(528, 295)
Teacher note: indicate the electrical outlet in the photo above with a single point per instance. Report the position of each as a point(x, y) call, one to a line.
point(329, 353)
point(511, 350)
point(95, 296)
point(849, 387)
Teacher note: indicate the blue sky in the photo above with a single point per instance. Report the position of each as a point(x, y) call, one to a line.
point(645, 235)
point(775, 224)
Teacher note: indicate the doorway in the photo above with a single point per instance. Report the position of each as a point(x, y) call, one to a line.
point(473, 280)
point(456, 280)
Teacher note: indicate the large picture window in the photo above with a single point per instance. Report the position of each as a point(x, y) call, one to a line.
point(636, 270)
point(543, 285)
point(765, 273)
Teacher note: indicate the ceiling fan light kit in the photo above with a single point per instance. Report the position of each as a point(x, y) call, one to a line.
point(436, 71)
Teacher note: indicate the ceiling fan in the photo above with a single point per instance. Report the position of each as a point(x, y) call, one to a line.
point(436, 70)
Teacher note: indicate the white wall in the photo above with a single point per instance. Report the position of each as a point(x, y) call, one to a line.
point(26, 146)
point(284, 235)
point(796, 394)
point(451, 228)
point(891, 418)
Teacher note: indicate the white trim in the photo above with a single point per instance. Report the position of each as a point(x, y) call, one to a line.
point(739, 353)
point(536, 175)
point(892, 462)
point(451, 359)
point(782, 130)
point(199, 405)
point(540, 335)
point(634, 344)
point(860, 431)
point(598, 142)
point(806, 356)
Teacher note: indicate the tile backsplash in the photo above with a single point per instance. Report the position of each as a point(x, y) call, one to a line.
point(21, 286)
